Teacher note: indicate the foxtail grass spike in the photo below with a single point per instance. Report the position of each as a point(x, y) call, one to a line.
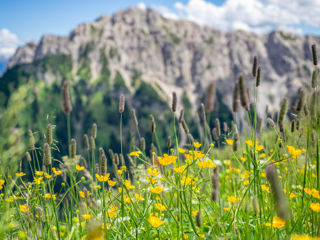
point(73, 148)
point(153, 124)
point(259, 124)
point(280, 200)
point(314, 54)
point(301, 101)
point(123, 162)
point(215, 185)
point(235, 141)
point(169, 142)
point(258, 79)
point(86, 142)
point(198, 218)
point(103, 164)
point(111, 154)
point(32, 141)
point(67, 107)
point(142, 144)
point(116, 159)
point(271, 122)
point(215, 134)
point(94, 130)
point(92, 143)
point(243, 93)
point(225, 127)
point(283, 110)
point(254, 66)
point(210, 96)
point(28, 156)
point(47, 154)
point(121, 103)
point(181, 116)
point(235, 104)
point(174, 102)
point(218, 127)
point(49, 134)
point(84, 162)
point(184, 126)
point(134, 117)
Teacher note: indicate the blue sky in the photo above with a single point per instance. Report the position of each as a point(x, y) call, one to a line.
point(22, 20)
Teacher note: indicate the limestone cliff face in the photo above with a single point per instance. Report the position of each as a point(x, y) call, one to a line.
point(180, 55)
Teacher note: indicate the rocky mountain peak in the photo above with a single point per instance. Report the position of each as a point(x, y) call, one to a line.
point(176, 55)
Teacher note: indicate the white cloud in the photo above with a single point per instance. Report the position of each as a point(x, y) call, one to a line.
point(252, 15)
point(166, 12)
point(142, 6)
point(8, 42)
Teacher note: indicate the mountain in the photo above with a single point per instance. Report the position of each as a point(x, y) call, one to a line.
point(145, 56)
point(3, 64)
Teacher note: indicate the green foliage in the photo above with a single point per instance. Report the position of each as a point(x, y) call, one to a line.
point(174, 38)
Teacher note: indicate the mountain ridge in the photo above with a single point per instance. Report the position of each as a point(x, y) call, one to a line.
point(178, 54)
point(146, 57)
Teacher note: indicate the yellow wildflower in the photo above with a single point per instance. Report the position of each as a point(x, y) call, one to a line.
point(23, 208)
point(139, 197)
point(277, 223)
point(82, 194)
point(233, 199)
point(111, 212)
point(56, 172)
point(166, 159)
point(136, 153)
point(39, 173)
point(155, 221)
point(128, 185)
point(160, 207)
point(180, 169)
point(101, 178)
point(86, 216)
point(48, 196)
point(156, 189)
point(111, 183)
point(315, 207)
point(38, 180)
point(229, 142)
point(79, 168)
point(20, 174)
point(181, 150)
point(196, 144)
point(153, 172)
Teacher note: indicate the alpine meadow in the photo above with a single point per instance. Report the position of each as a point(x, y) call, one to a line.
point(136, 126)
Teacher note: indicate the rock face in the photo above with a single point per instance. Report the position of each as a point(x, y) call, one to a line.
point(180, 55)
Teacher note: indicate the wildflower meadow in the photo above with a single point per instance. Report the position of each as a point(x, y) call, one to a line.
point(260, 180)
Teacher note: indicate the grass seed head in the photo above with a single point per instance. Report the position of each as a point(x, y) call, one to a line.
point(32, 141)
point(301, 101)
point(47, 154)
point(254, 66)
point(49, 134)
point(94, 130)
point(258, 79)
point(73, 148)
point(174, 102)
point(314, 54)
point(86, 142)
point(283, 110)
point(210, 97)
point(67, 107)
point(121, 103)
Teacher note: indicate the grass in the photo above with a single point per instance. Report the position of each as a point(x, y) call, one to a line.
point(264, 185)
